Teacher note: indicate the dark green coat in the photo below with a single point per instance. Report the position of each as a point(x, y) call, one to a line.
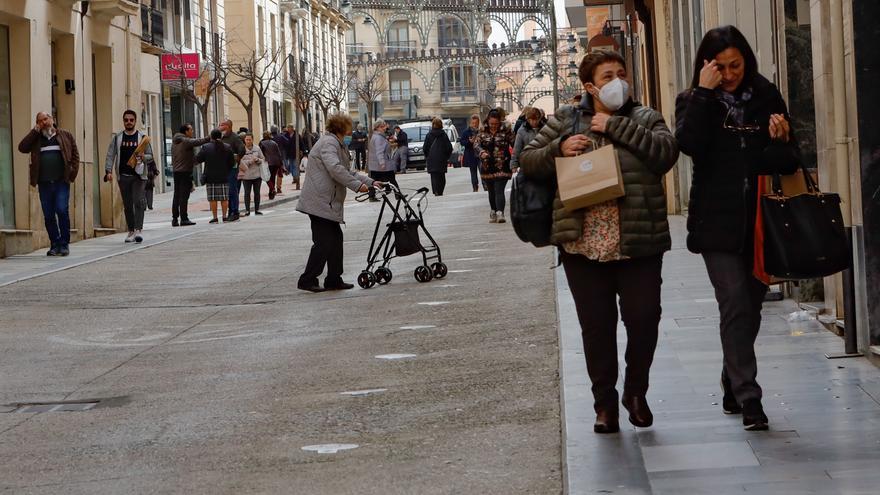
point(646, 150)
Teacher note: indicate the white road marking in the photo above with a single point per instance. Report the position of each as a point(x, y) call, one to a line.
point(418, 327)
point(330, 448)
point(447, 286)
point(459, 271)
point(467, 259)
point(364, 393)
point(476, 250)
point(433, 303)
point(390, 357)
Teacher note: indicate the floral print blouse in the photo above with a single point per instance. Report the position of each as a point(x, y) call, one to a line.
point(497, 164)
point(601, 239)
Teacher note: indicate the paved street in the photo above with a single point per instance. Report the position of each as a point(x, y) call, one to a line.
point(217, 371)
point(213, 373)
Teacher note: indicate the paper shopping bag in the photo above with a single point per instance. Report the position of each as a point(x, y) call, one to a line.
point(589, 179)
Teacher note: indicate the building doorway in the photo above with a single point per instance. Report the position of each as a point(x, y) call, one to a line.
point(7, 194)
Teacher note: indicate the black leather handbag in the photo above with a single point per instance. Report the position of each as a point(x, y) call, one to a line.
point(804, 236)
point(531, 209)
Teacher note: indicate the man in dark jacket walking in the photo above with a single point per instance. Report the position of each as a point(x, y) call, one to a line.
point(359, 146)
point(183, 160)
point(237, 146)
point(273, 153)
point(401, 155)
point(438, 149)
point(54, 165)
point(471, 160)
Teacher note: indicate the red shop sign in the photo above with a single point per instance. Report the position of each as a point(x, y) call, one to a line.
point(173, 65)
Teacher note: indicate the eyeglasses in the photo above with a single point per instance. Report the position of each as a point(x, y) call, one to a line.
point(128, 120)
point(745, 128)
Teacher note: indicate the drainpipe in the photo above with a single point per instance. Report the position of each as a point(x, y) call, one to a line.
point(841, 165)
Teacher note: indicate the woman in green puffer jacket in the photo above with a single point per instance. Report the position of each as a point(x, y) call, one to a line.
point(614, 248)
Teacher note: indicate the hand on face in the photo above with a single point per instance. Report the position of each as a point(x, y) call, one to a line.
point(710, 76)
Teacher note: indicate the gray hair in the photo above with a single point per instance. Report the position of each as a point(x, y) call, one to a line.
point(274, 129)
point(378, 123)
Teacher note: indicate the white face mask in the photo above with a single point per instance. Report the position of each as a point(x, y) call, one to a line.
point(614, 94)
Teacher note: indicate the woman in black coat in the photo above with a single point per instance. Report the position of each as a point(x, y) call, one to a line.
point(734, 123)
point(438, 149)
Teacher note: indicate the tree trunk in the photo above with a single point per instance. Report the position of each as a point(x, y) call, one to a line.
point(264, 115)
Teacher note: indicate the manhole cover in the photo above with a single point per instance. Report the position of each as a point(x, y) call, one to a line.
point(55, 407)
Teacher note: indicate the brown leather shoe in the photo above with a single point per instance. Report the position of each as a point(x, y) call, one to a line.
point(606, 422)
point(639, 413)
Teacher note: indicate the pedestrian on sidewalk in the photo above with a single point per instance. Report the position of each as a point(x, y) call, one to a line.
point(437, 149)
point(237, 145)
point(292, 154)
point(613, 249)
point(401, 154)
point(53, 167)
point(359, 146)
point(471, 160)
point(273, 153)
point(132, 171)
point(251, 162)
point(734, 123)
point(151, 184)
point(183, 161)
point(322, 200)
point(534, 121)
point(378, 157)
point(492, 144)
point(218, 158)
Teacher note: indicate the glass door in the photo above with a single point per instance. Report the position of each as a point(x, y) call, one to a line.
point(7, 194)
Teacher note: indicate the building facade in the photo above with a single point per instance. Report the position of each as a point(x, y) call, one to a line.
point(448, 58)
point(289, 44)
point(180, 28)
point(83, 65)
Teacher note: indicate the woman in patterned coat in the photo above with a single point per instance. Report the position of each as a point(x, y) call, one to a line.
point(492, 144)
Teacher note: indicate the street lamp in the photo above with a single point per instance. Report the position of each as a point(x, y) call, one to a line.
point(572, 70)
point(572, 41)
point(534, 44)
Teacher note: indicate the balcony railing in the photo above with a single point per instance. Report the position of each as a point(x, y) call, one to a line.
point(458, 95)
point(354, 49)
point(397, 48)
point(401, 96)
point(152, 26)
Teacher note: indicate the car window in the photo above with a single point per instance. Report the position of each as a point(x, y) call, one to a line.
point(417, 132)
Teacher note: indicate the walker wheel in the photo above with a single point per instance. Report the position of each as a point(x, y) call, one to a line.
point(366, 280)
point(383, 275)
point(440, 270)
point(423, 274)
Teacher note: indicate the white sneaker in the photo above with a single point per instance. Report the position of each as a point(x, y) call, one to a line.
point(130, 237)
point(500, 217)
point(493, 217)
point(138, 237)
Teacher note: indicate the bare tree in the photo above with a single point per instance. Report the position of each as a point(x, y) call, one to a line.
point(250, 78)
point(303, 87)
point(204, 88)
point(368, 82)
point(336, 90)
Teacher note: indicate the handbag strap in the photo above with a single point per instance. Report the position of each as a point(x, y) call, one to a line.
point(812, 187)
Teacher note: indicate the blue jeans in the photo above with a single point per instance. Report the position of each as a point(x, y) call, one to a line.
point(55, 200)
point(234, 185)
point(292, 167)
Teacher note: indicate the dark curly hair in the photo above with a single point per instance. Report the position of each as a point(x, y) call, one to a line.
point(594, 59)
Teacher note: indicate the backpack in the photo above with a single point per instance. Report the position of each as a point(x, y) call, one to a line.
point(531, 209)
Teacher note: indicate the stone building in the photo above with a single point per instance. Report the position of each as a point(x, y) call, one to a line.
point(80, 61)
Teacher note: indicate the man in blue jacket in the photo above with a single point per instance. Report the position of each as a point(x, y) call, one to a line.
point(471, 160)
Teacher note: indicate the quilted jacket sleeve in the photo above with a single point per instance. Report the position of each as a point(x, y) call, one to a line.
point(537, 159)
point(652, 142)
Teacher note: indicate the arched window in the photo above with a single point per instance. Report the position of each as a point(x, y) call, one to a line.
point(458, 82)
point(398, 39)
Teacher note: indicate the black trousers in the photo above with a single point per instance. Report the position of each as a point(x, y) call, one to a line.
point(360, 159)
point(475, 173)
point(326, 250)
point(182, 189)
point(740, 297)
point(496, 193)
point(252, 185)
point(131, 188)
point(595, 288)
point(383, 177)
point(438, 183)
